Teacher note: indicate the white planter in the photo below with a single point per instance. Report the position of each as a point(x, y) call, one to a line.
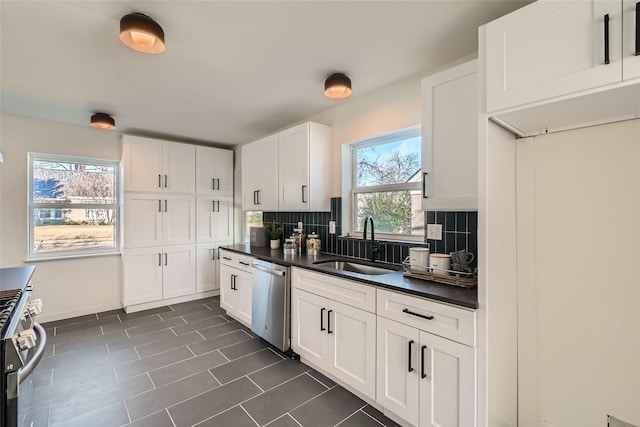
point(275, 244)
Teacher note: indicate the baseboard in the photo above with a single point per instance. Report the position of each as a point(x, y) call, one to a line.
point(45, 316)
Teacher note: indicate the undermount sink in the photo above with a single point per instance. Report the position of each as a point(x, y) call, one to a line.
point(355, 267)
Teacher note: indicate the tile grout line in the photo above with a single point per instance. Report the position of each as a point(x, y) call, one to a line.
point(261, 389)
point(370, 416)
point(248, 414)
point(170, 417)
point(317, 380)
point(350, 415)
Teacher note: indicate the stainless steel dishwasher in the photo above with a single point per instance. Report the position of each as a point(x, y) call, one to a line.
point(270, 309)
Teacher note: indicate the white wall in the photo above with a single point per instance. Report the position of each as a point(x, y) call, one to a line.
point(67, 287)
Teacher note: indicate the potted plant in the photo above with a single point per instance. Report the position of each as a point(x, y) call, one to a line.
point(275, 231)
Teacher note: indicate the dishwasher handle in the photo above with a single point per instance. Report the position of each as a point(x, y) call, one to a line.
point(268, 270)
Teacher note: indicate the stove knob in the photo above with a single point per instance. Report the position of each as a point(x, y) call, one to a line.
point(26, 339)
point(35, 307)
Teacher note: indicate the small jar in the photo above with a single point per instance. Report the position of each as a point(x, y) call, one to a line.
point(290, 246)
point(313, 244)
point(300, 241)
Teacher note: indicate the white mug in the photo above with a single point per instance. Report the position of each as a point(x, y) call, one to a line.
point(440, 262)
point(419, 259)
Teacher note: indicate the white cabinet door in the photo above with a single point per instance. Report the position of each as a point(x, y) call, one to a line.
point(142, 220)
point(294, 169)
point(551, 48)
point(179, 164)
point(448, 382)
point(142, 163)
point(309, 327)
point(244, 292)
point(142, 271)
point(630, 48)
point(352, 347)
point(450, 139)
point(260, 175)
point(178, 271)
point(207, 267)
point(227, 294)
point(178, 222)
point(398, 369)
point(214, 171)
point(214, 219)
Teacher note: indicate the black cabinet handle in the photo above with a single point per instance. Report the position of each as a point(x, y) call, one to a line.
point(410, 351)
point(213, 183)
point(165, 181)
point(406, 310)
point(233, 282)
point(638, 28)
point(244, 263)
point(329, 331)
point(165, 205)
point(217, 205)
point(606, 39)
point(322, 328)
point(423, 374)
point(159, 205)
point(303, 200)
point(213, 206)
point(159, 181)
point(424, 185)
point(259, 197)
point(218, 181)
point(255, 200)
point(159, 259)
point(165, 258)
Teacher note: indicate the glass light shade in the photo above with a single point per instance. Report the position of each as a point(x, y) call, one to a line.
point(337, 86)
point(141, 33)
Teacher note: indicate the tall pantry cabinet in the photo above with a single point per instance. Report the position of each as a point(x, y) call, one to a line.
point(170, 238)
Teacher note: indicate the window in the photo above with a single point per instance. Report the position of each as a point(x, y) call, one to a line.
point(251, 219)
point(386, 183)
point(73, 206)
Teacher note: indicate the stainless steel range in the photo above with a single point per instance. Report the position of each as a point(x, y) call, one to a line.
point(22, 342)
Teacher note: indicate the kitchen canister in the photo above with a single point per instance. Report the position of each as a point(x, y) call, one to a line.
point(419, 259)
point(439, 263)
point(314, 244)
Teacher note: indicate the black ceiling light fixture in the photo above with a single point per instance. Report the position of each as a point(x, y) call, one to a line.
point(141, 33)
point(102, 121)
point(337, 86)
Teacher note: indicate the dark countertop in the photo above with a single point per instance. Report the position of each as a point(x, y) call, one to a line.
point(393, 281)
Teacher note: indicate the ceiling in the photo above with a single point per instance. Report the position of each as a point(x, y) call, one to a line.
point(233, 70)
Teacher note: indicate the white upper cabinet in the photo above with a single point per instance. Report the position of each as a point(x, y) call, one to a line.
point(304, 165)
point(553, 48)
point(260, 175)
point(287, 171)
point(153, 165)
point(214, 171)
point(450, 139)
point(630, 39)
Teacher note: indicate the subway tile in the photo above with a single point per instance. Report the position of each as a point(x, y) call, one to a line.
point(150, 349)
point(472, 222)
point(213, 402)
point(117, 343)
point(461, 221)
point(184, 311)
point(440, 215)
point(235, 417)
point(449, 221)
point(243, 348)
point(159, 419)
point(129, 323)
point(153, 327)
point(278, 373)
point(204, 323)
point(431, 217)
point(461, 241)
point(449, 242)
point(285, 421)
point(223, 328)
point(219, 342)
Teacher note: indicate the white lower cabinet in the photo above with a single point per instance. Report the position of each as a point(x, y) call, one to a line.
point(335, 337)
point(236, 286)
point(153, 274)
point(424, 378)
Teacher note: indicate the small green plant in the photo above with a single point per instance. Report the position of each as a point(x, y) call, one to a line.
point(274, 231)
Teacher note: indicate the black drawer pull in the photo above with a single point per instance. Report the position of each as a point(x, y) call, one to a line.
point(423, 373)
point(406, 310)
point(322, 328)
point(329, 331)
point(606, 39)
point(410, 351)
point(244, 263)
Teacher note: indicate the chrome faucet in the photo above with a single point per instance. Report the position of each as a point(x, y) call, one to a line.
point(374, 245)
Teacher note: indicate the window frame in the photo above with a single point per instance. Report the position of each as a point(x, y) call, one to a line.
point(352, 188)
point(32, 255)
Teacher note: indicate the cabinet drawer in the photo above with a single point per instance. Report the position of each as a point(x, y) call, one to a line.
point(235, 260)
point(342, 290)
point(449, 322)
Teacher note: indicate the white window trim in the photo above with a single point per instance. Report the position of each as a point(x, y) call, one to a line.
point(31, 205)
point(349, 186)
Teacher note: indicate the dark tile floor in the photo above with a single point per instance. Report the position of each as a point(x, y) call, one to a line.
point(178, 366)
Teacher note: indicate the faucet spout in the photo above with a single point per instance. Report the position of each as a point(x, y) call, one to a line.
point(374, 245)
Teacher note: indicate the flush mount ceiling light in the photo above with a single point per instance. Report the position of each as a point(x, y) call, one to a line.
point(337, 86)
point(102, 121)
point(141, 33)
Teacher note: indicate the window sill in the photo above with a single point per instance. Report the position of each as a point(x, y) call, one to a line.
point(68, 257)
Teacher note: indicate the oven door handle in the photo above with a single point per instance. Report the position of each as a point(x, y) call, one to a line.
point(26, 370)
